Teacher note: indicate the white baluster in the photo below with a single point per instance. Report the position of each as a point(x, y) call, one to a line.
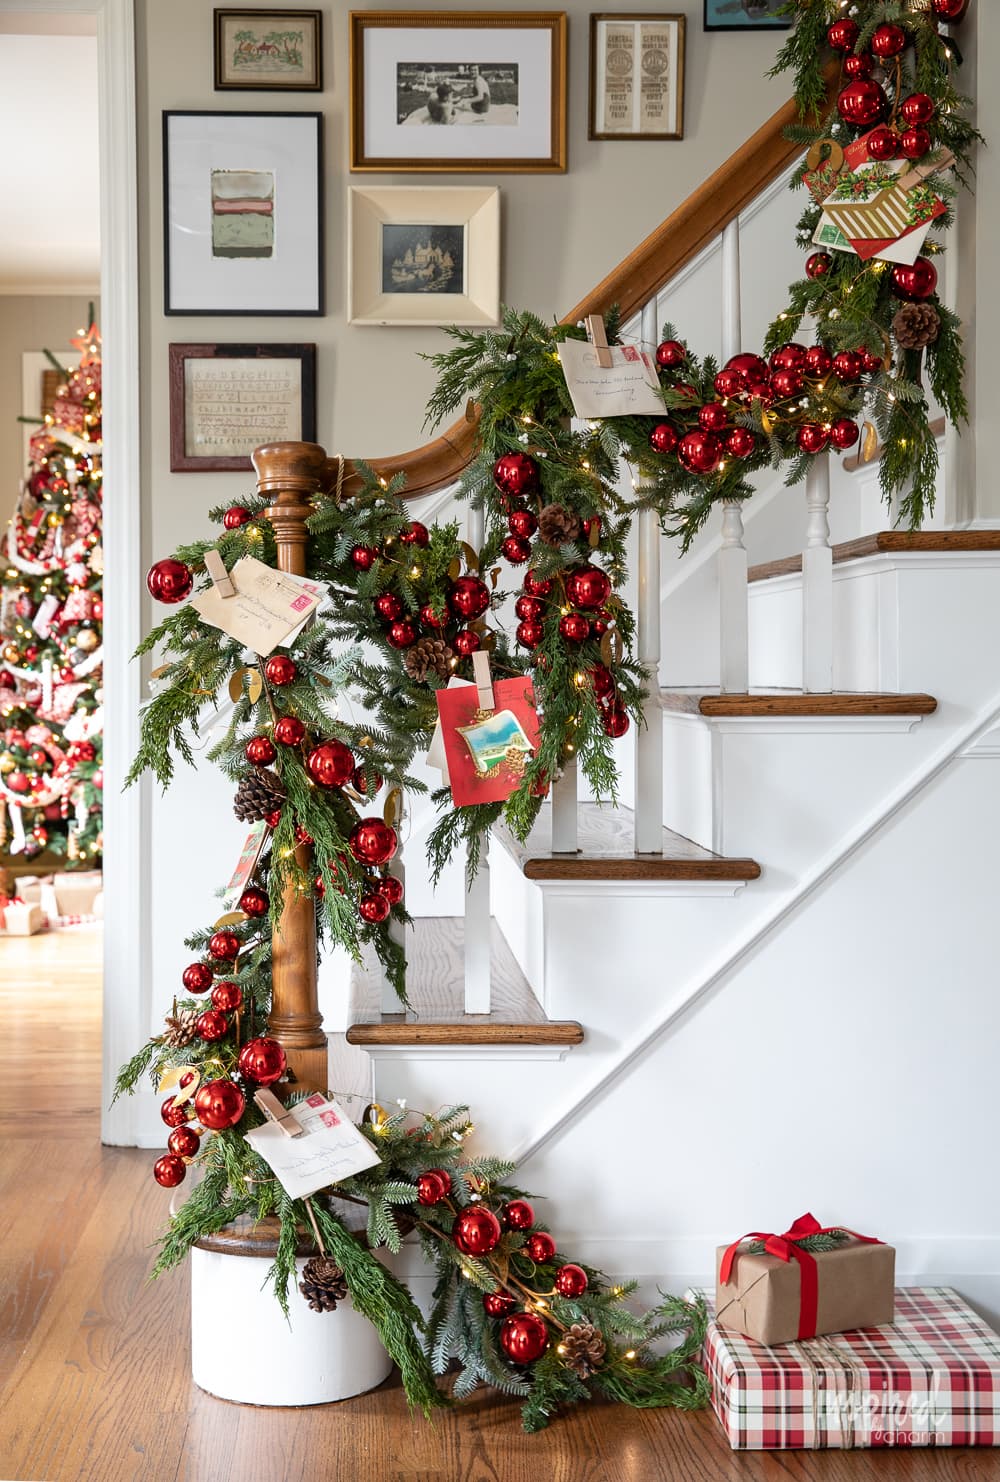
point(733, 627)
point(477, 895)
point(649, 737)
point(397, 931)
point(564, 829)
point(817, 582)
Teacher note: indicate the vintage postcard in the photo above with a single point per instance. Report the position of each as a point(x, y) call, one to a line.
point(629, 387)
point(487, 752)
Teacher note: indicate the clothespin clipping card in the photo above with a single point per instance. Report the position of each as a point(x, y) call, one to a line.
point(598, 337)
point(484, 680)
point(221, 580)
point(490, 733)
point(275, 1112)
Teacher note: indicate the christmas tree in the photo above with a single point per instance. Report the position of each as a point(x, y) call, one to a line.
point(51, 615)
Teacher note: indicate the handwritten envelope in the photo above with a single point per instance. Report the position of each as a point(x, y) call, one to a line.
point(267, 608)
point(329, 1148)
point(629, 387)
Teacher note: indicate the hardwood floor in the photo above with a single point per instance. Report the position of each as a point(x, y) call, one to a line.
point(94, 1377)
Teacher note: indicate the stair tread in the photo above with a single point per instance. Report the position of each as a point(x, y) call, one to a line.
point(435, 984)
point(711, 702)
point(607, 853)
point(888, 542)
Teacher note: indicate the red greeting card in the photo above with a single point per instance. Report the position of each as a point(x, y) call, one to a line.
point(488, 749)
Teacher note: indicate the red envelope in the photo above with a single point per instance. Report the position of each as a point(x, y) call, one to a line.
point(487, 751)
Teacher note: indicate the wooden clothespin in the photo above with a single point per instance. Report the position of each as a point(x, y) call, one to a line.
point(275, 1112)
point(221, 580)
point(597, 335)
point(942, 161)
point(484, 680)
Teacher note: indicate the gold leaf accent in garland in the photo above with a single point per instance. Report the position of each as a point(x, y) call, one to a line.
point(231, 918)
point(393, 810)
point(870, 447)
point(173, 1077)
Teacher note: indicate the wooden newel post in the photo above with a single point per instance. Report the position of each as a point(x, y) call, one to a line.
point(291, 473)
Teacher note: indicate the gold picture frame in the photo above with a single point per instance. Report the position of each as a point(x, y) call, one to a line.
point(495, 79)
point(636, 75)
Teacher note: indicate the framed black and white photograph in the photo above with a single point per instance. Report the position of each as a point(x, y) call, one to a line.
point(226, 400)
point(268, 51)
point(636, 76)
point(458, 90)
point(424, 255)
point(242, 213)
point(745, 15)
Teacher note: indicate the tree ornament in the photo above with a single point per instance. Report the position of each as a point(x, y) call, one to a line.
point(788, 383)
point(468, 597)
point(262, 1061)
point(699, 452)
point(236, 516)
point(712, 417)
point(813, 437)
point(915, 142)
point(574, 627)
point(863, 103)
point(197, 978)
point(818, 265)
point(184, 1142)
point(843, 35)
point(428, 656)
point(391, 889)
point(914, 283)
point(466, 642)
point(916, 326)
point(415, 534)
point(224, 945)
point(918, 108)
point(570, 1281)
point(323, 1284)
point(431, 1188)
point(728, 383)
point(819, 362)
point(18, 781)
point(319, 888)
point(848, 366)
point(373, 908)
point(588, 587)
point(601, 681)
point(254, 902)
point(289, 731)
point(260, 751)
point(260, 794)
point(948, 10)
point(844, 433)
point(535, 585)
point(228, 997)
point(331, 764)
point(515, 474)
point(530, 633)
point(372, 841)
point(528, 608)
point(175, 1113)
point(273, 818)
point(363, 557)
point(212, 1025)
point(790, 357)
point(498, 1303)
point(616, 722)
point(516, 549)
point(389, 606)
point(302, 835)
point(523, 1337)
point(558, 526)
point(522, 522)
point(181, 1028)
point(401, 634)
point(741, 442)
point(670, 354)
point(432, 619)
point(748, 367)
point(476, 1230)
point(888, 41)
point(169, 581)
point(540, 1247)
point(280, 670)
point(859, 66)
point(517, 1214)
point(169, 1171)
point(582, 1349)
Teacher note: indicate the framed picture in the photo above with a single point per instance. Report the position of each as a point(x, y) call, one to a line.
point(458, 90)
point(226, 400)
point(636, 76)
point(259, 50)
point(242, 213)
point(424, 255)
point(745, 15)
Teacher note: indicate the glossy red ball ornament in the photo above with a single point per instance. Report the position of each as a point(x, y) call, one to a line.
point(528, 608)
point(819, 362)
point(844, 433)
point(515, 474)
point(699, 452)
point(389, 606)
point(863, 103)
point(517, 1215)
point(916, 282)
point(748, 366)
point(372, 841)
point(235, 516)
point(540, 1247)
point(391, 889)
point(280, 670)
point(302, 836)
point(401, 634)
point(39, 759)
point(219, 1104)
point(361, 776)
point(918, 108)
point(169, 1171)
point(601, 681)
point(728, 383)
point(664, 438)
point(516, 549)
point(254, 902)
point(570, 1281)
point(224, 945)
point(169, 580)
point(174, 1114)
point(211, 1025)
point(741, 442)
point(373, 908)
point(468, 597)
point(331, 764)
point(18, 781)
point(883, 143)
point(843, 35)
point(289, 731)
point(184, 1142)
point(273, 818)
point(476, 1230)
point(319, 888)
point(363, 557)
point(713, 417)
point(537, 586)
point(915, 142)
point(530, 633)
point(415, 534)
point(522, 523)
point(858, 66)
point(262, 1061)
point(818, 264)
point(888, 41)
point(788, 383)
point(466, 642)
point(228, 997)
point(670, 354)
point(433, 619)
point(848, 366)
point(588, 587)
point(871, 360)
point(812, 437)
point(498, 1303)
point(197, 978)
point(948, 10)
point(574, 627)
point(260, 751)
point(431, 1188)
point(524, 1337)
point(616, 722)
point(789, 357)
point(690, 393)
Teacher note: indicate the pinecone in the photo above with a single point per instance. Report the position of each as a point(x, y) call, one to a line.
point(557, 525)
point(582, 1349)
point(916, 325)
point(322, 1284)
point(180, 1028)
point(258, 794)
point(428, 655)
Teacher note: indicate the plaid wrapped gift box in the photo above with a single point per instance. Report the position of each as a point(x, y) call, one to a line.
point(931, 1378)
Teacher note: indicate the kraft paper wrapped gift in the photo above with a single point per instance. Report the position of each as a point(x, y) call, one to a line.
point(29, 888)
point(76, 892)
point(21, 920)
point(785, 1293)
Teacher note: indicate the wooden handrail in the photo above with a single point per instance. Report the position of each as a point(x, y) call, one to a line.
point(694, 225)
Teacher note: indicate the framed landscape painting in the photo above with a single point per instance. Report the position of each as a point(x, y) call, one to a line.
point(458, 90)
point(261, 50)
point(745, 15)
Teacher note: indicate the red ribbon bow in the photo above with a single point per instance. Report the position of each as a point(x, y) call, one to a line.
point(786, 1249)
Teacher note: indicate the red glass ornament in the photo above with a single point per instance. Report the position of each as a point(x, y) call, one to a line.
point(515, 474)
point(528, 608)
point(211, 1025)
point(812, 437)
point(858, 66)
point(476, 1230)
point(169, 1171)
point(373, 908)
point(280, 670)
point(197, 978)
point(843, 35)
point(747, 366)
point(499, 1303)
point(363, 557)
point(540, 1247)
point(468, 597)
point(372, 841)
point(915, 142)
point(863, 103)
point(389, 606)
point(728, 383)
point(225, 945)
point(169, 580)
point(915, 283)
point(391, 889)
point(415, 534)
point(184, 1142)
point(38, 758)
point(235, 516)
point(219, 1104)
point(530, 633)
point(663, 438)
point(522, 522)
point(83, 751)
point(466, 642)
point(888, 41)
point(524, 1337)
point(789, 357)
point(254, 902)
point(289, 730)
point(517, 1215)
point(570, 1281)
point(319, 887)
point(516, 549)
point(819, 362)
point(360, 778)
point(670, 354)
point(588, 587)
point(601, 681)
point(918, 108)
point(574, 627)
point(260, 751)
point(699, 452)
point(262, 1061)
point(432, 619)
point(741, 442)
point(174, 1114)
point(871, 360)
point(431, 1188)
point(713, 417)
point(818, 265)
point(228, 997)
point(848, 366)
point(788, 383)
point(331, 764)
point(948, 10)
point(689, 392)
point(401, 634)
point(616, 721)
point(537, 586)
point(18, 781)
point(844, 433)
point(273, 818)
